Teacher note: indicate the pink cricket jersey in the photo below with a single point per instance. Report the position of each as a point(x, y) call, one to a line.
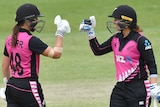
point(21, 64)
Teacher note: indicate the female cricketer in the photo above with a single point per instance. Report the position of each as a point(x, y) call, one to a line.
point(133, 56)
point(21, 60)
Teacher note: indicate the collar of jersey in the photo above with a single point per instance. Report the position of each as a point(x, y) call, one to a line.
point(24, 30)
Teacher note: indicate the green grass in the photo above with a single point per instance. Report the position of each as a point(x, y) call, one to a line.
point(79, 79)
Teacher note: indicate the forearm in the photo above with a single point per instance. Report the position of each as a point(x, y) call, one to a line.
point(5, 67)
point(99, 49)
point(58, 47)
point(153, 74)
point(59, 41)
point(6, 73)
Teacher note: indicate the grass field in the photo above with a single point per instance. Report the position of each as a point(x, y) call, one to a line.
point(79, 79)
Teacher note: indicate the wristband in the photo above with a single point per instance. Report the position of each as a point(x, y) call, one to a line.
point(59, 33)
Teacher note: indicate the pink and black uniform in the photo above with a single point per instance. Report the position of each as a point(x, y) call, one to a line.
point(133, 56)
point(24, 68)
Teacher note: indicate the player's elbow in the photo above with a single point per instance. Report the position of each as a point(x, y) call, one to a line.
point(57, 55)
point(95, 53)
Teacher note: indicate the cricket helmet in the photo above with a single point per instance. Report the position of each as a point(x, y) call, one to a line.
point(27, 11)
point(127, 14)
point(30, 12)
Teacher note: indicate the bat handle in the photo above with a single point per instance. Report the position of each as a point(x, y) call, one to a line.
point(155, 104)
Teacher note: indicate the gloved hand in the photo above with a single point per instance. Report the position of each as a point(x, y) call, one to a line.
point(62, 26)
point(155, 91)
point(88, 26)
point(2, 90)
point(2, 93)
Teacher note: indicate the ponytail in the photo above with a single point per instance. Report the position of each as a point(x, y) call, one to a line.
point(135, 27)
point(15, 32)
point(138, 29)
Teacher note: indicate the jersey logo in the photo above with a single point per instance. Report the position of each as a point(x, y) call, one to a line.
point(128, 59)
point(120, 59)
point(147, 45)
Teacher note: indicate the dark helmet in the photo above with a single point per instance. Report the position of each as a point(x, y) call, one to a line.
point(27, 11)
point(126, 13)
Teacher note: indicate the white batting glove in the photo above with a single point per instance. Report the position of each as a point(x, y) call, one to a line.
point(88, 26)
point(62, 26)
point(2, 93)
point(155, 91)
point(2, 90)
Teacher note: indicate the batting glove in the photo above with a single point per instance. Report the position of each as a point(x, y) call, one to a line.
point(155, 91)
point(62, 26)
point(2, 93)
point(2, 90)
point(88, 26)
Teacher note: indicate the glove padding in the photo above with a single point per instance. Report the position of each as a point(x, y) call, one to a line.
point(88, 26)
point(62, 26)
point(155, 91)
